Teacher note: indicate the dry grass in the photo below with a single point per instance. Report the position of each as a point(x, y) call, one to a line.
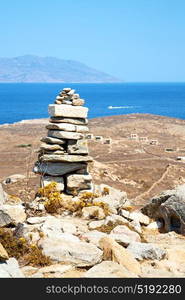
point(20, 249)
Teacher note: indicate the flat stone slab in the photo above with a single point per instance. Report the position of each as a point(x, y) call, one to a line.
point(65, 135)
point(51, 147)
point(67, 111)
point(68, 120)
point(50, 140)
point(57, 169)
point(2, 195)
point(78, 253)
point(68, 127)
point(66, 158)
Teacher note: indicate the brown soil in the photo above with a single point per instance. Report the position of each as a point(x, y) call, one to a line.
point(140, 169)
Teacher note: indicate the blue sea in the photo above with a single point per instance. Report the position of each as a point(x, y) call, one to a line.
point(22, 101)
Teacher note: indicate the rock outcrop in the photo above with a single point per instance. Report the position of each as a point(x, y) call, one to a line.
point(169, 209)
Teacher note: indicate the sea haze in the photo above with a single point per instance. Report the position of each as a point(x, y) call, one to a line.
point(22, 101)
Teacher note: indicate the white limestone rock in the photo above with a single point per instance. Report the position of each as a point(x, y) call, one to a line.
point(67, 111)
point(143, 251)
point(80, 253)
point(65, 158)
point(10, 269)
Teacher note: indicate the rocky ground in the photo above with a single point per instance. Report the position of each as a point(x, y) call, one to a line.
point(89, 236)
point(104, 234)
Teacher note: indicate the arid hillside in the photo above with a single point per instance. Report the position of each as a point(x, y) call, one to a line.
point(142, 166)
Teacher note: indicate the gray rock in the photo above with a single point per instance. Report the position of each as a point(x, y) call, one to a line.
point(77, 147)
point(57, 168)
point(68, 120)
point(169, 209)
point(67, 111)
point(65, 135)
point(5, 219)
point(50, 140)
point(10, 269)
point(65, 158)
point(61, 126)
point(146, 251)
point(68, 127)
point(51, 147)
point(80, 254)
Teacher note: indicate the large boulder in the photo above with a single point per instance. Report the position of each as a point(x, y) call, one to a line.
point(169, 208)
point(57, 169)
point(79, 253)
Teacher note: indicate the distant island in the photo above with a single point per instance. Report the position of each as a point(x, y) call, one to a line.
point(30, 68)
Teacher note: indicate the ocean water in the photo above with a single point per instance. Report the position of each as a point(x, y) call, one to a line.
point(24, 101)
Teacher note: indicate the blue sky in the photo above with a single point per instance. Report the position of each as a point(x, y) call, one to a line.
point(135, 40)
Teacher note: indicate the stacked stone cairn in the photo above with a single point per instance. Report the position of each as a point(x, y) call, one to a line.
point(63, 156)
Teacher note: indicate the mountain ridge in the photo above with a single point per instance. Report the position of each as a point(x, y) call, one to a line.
point(32, 68)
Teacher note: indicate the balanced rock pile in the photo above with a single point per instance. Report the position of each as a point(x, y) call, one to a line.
point(63, 155)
